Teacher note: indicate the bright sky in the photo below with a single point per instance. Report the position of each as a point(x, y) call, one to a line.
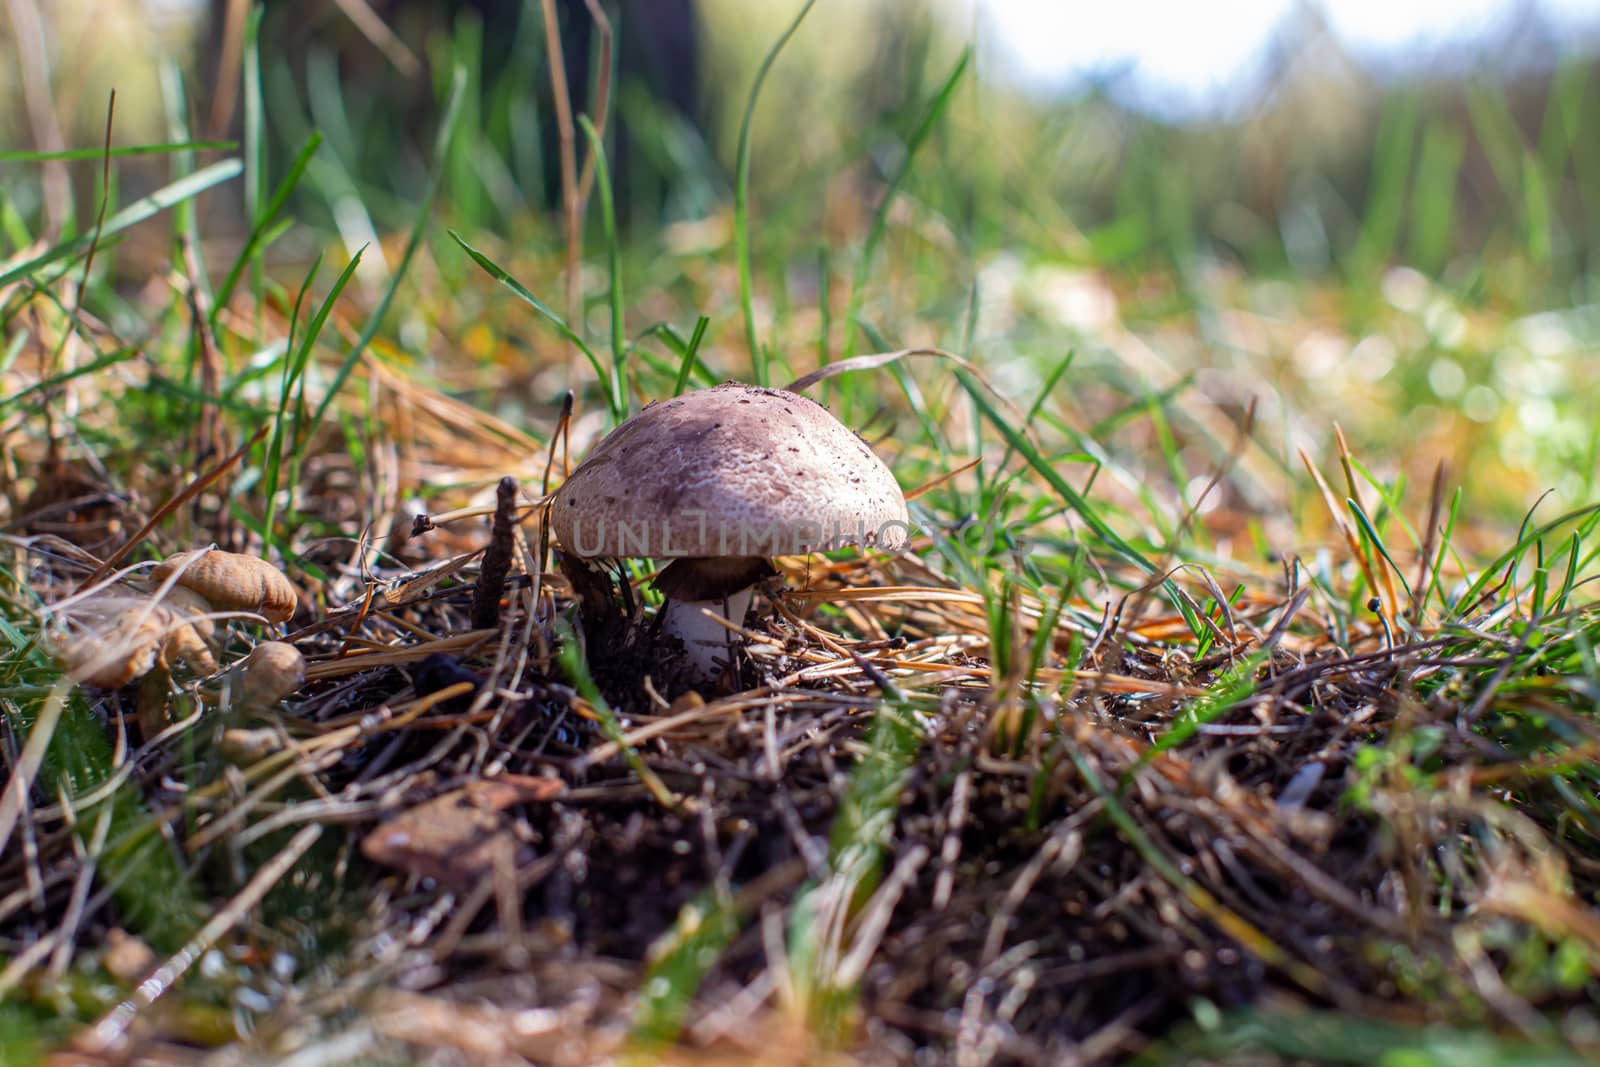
point(1183, 48)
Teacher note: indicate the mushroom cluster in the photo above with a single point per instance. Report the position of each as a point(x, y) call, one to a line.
point(119, 634)
point(719, 481)
point(112, 638)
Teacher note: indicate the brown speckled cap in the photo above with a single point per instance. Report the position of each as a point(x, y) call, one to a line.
point(731, 471)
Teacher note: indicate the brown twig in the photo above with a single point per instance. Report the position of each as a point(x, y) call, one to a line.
point(496, 558)
point(375, 30)
point(225, 91)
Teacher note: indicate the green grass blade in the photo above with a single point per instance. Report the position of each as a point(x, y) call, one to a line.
point(255, 140)
point(678, 964)
point(880, 217)
point(1446, 546)
point(294, 373)
point(1537, 211)
point(608, 219)
point(121, 355)
point(1091, 518)
point(1489, 108)
point(184, 227)
point(1198, 897)
point(691, 355)
point(741, 203)
point(1232, 686)
point(1391, 167)
point(549, 314)
point(258, 232)
point(162, 199)
point(1433, 196)
point(1377, 542)
point(1570, 580)
point(441, 147)
point(1499, 568)
point(860, 836)
point(1271, 1035)
point(138, 864)
point(577, 672)
point(73, 154)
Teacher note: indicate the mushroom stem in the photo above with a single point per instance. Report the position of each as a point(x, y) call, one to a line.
point(707, 643)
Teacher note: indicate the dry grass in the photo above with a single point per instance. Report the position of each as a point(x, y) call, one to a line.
point(1058, 882)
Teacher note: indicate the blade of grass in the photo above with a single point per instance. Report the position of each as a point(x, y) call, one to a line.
point(1377, 542)
point(1391, 167)
point(741, 203)
point(880, 217)
point(72, 154)
point(161, 200)
point(1489, 109)
point(1201, 899)
point(1433, 195)
point(1046, 387)
point(498, 273)
point(255, 143)
point(691, 355)
point(1499, 568)
point(72, 752)
point(576, 669)
point(1053, 478)
point(858, 840)
point(678, 964)
point(1570, 580)
point(258, 232)
point(1337, 1038)
point(1232, 686)
point(441, 148)
point(294, 373)
point(121, 355)
point(608, 219)
point(1536, 208)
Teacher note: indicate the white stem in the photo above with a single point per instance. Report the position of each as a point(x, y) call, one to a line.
point(707, 642)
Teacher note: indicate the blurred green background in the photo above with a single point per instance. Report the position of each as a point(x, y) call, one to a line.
point(1388, 219)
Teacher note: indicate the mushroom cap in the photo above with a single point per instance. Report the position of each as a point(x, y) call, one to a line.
point(271, 671)
point(109, 639)
point(117, 635)
point(735, 470)
point(190, 605)
point(232, 582)
point(189, 630)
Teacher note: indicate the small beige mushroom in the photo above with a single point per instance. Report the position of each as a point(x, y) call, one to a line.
point(243, 746)
point(117, 635)
point(271, 671)
point(109, 639)
point(127, 958)
point(232, 582)
point(189, 640)
point(192, 606)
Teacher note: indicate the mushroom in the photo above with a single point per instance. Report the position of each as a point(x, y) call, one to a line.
point(192, 631)
point(719, 481)
point(271, 671)
point(117, 635)
point(230, 581)
point(109, 639)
